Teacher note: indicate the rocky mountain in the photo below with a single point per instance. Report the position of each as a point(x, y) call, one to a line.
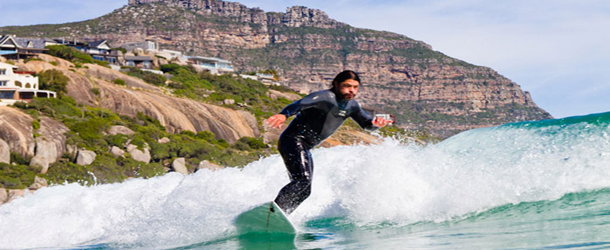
point(424, 88)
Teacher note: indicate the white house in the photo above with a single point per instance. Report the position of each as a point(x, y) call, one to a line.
point(100, 50)
point(144, 62)
point(19, 85)
point(145, 45)
point(212, 64)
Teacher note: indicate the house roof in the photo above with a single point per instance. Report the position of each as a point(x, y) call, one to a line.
point(5, 39)
point(35, 42)
point(96, 44)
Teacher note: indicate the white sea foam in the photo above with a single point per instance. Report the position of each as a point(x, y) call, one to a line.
point(367, 185)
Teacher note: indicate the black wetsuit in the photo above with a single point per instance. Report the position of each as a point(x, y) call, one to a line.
point(319, 115)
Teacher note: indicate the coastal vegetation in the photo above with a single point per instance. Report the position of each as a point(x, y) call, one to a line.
point(89, 130)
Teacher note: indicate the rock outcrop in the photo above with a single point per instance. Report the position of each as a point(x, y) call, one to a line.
point(142, 155)
point(117, 129)
point(5, 152)
point(179, 165)
point(176, 114)
point(85, 157)
point(16, 129)
point(3, 196)
point(117, 152)
point(205, 164)
point(38, 183)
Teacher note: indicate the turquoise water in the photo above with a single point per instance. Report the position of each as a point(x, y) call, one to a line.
point(530, 185)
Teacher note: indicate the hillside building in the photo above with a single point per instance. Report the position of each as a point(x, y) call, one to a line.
point(212, 64)
point(145, 45)
point(99, 50)
point(12, 47)
point(143, 62)
point(19, 85)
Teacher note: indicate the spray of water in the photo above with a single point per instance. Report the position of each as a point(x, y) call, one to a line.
point(386, 184)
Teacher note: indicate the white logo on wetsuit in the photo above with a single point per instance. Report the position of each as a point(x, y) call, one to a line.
point(342, 113)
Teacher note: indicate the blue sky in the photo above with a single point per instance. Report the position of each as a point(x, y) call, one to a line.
point(558, 50)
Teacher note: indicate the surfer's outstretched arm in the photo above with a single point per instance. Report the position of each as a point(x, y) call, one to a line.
point(366, 122)
point(312, 100)
point(276, 121)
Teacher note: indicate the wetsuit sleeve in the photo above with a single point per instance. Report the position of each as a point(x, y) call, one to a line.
point(309, 101)
point(291, 109)
point(363, 119)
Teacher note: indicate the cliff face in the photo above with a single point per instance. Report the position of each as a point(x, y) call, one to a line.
point(176, 114)
point(422, 87)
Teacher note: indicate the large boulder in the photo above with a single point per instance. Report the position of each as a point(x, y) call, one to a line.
point(38, 183)
point(118, 129)
point(139, 155)
point(3, 196)
point(117, 152)
point(17, 131)
point(17, 193)
point(85, 157)
point(179, 165)
point(46, 154)
point(5, 152)
point(41, 162)
point(205, 164)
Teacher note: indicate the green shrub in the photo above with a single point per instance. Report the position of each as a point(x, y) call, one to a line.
point(19, 159)
point(62, 172)
point(154, 79)
point(119, 81)
point(148, 77)
point(53, 80)
point(36, 124)
point(252, 143)
point(57, 108)
point(91, 131)
point(17, 176)
point(170, 68)
point(118, 140)
point(206, 135)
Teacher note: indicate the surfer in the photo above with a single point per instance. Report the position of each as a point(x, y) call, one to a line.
point(318, 116)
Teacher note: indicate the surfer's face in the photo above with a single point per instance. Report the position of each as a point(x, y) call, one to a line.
point(348, 89)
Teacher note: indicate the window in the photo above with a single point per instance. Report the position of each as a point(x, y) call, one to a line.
point(2, 71)
point(7, 95)
point(3, 83)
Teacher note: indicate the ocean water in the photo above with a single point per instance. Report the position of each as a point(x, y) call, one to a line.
point(529, 185)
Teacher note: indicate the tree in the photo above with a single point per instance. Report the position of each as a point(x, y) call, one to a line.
point(53, 80)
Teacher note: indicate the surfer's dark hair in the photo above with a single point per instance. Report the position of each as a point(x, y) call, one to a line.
point(344, 76)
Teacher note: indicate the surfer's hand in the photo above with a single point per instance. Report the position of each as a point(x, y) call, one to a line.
point(380, 122)
point(276, 120)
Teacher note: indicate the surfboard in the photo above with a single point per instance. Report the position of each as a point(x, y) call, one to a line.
point(265, 218)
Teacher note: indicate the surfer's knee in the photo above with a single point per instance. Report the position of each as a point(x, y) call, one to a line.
point(304, 187)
